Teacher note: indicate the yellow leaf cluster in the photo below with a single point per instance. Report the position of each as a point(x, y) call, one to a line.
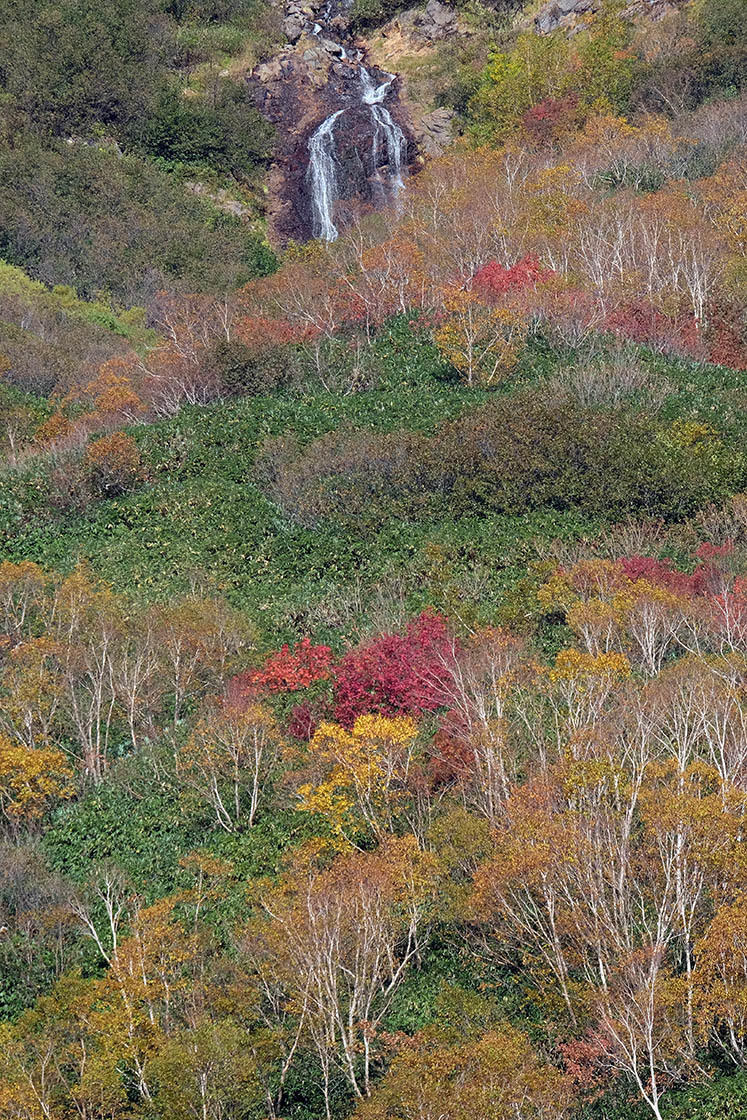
point(575, 665)
point(365, 771)
point(31, 779)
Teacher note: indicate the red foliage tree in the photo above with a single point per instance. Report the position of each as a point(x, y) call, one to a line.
point(727, 334)
point(288, 669)
point(712, 576)
point(641, 322)
point(493, 280)
point(260, 331)
point(551, 119)
point(661, 573)
point(303, 720)
point(392, 674)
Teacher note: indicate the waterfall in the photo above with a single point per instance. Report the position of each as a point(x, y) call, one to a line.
point(323, 176)
point(386, 127)
point(374, 94)
point(387, 135)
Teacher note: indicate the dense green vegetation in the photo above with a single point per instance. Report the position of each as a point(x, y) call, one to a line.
point(208, 508)
point(117, 226)
point(106, 114)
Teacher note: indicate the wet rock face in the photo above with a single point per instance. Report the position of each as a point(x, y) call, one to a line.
point(358, 173)
point(318, 73)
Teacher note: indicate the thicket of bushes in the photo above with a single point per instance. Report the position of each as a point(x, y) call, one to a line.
point(82, 68)
point(392, 498)
point(81, 83)
point(86, 217)
point(696, 54)
point(527, 451)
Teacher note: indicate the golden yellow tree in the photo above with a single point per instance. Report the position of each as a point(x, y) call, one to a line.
point(483, 343)
point(364, 773)
point(497, 1076)
point(31, 781)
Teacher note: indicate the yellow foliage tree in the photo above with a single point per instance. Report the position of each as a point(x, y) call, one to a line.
point(114, 464)
point(365, 773)
point(483, 343)
point(31, 780)
point(495, 1077)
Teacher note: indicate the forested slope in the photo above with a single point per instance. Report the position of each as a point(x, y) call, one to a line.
point(373, 614)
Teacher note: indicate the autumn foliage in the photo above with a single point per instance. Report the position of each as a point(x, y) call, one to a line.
point(454, 826)
point(574, 819)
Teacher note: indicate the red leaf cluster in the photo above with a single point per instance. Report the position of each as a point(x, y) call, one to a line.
point(390, 674)
point(727, 334)
point(551, 118)
point(662, 573)
point(303, 720)
point(260, 331)
point(288, 669)
point(493, 280)
point(707, 579)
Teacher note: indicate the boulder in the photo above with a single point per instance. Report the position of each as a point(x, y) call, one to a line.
point(293, 27)
point(331, 47)
point(433, 131)
point(439, 13)
point(268, 72)
point(438, 21)
point(562, 13)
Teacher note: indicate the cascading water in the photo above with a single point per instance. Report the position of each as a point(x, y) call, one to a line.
point(323, 177)
point(384, 125)
point(339, 146)
point(323, 157)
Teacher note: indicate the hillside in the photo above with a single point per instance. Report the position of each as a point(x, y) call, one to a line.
point(373, 560)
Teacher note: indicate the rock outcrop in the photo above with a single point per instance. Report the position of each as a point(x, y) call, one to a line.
point(434, 131)
point(438, 21)
point(570, 14)
point(416, 30)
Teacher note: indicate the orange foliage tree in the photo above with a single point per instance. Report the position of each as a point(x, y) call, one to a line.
point(114, 464)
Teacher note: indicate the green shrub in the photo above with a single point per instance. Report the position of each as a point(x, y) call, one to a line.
point(199, 42)
point(247, 372)
point(524, 452)
point(137, 824)
point(368, 13)
point(117, 225)
point(226, 133)
point(71, 66)
point(595, 65)
point(721, 37)
point(723, 1098)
